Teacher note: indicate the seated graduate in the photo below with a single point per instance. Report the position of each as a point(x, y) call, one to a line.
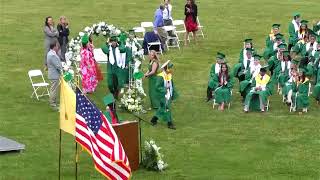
point(247, 43)
point(261, 89)
point(282, 71)
point(300, 90)
point(269, 52)
point(310, 46)
point(241, 69)
point(110, 113)
point(215, 69)
point(287, 87)
point(303, 31)
point(223, 84)
point(271, 39)
point(316, 28)
point(274, 61)
point(254, 70)
point(306, 63)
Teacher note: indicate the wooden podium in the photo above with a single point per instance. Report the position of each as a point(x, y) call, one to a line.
point(128, 135)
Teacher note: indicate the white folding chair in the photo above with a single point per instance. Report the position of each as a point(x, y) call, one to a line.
point(139, 31)
point(180, 28)
point(174, 38)
point(37, 85)
point(156, 43)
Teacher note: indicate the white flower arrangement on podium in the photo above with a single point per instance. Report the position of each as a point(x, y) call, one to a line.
point(153, 159)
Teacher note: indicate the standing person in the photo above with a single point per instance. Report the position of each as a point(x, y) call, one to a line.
point(63, 29)
point(54, 72)
point(87, 66)
point(166, 93)
point(158, 26)
point(294, 27)
point(50, 36)
point(116, 60)
point(152, 75)
point(167, 17)
point(191, 13)
point(223, 86)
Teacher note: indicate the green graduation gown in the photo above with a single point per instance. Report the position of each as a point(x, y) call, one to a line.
point(293, 39)
point(211, 76)
point(222, 93)
point(269, 51)
point(316, 90)
point(113, 80)
point(155, 103)
point(300, 97)
point(282, 76)
point(164, 110)
point(252, 98)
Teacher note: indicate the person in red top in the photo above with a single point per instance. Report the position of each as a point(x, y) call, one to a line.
point(191, 12)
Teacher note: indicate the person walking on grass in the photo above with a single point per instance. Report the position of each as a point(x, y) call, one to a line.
point(54, 73)
point(191, 23)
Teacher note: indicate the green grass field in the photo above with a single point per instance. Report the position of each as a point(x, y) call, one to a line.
point(207, 144)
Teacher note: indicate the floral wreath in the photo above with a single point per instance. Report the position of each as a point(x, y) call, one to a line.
point(73, 56)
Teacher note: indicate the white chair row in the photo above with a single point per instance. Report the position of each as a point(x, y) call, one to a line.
point(178, 27)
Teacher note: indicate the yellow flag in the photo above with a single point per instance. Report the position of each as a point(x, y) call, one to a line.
point(67, 108)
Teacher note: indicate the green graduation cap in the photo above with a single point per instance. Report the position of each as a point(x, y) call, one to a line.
point(248, 40)
point(257, 57)
point(138, 75)
point(220, 55)
point(105, 49)
point(108, 99)
point(279, 36)
point(85, 39)
point(296, 14)
point(113, 38)
point(282, 46)
point(304, 22)
point(312, 33)
point(275, 25)
point(286, 53)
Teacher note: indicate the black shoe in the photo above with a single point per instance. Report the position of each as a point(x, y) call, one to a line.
point(171, 126)
point(154, 121)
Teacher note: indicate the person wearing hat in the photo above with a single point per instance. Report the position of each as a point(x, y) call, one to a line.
point(275, 60)
point(294, 27)
point(272, 49)
point(166, 93)
point(310, 47)
point(247, 43)
point(110, 113)
point(316, 28)
point(116, 60)
point(303, 31)
point(241, 69)
point(215, 69)
point(261, 89)
point(253, 71)
point(223, 84)
point(88, 67)
point(300, 89)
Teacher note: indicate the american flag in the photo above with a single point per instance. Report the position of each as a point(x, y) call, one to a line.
point(96, 135)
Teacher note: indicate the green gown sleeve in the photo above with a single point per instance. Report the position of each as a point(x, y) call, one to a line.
point(175, 93)
point(215, 81)
point(269, 87)
point(230, 82)
point(241, 56)
point(309, 70)
point(212, 71)
point(292, 34)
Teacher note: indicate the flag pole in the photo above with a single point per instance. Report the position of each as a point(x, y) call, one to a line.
point(76, 162)
point(60, 155)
